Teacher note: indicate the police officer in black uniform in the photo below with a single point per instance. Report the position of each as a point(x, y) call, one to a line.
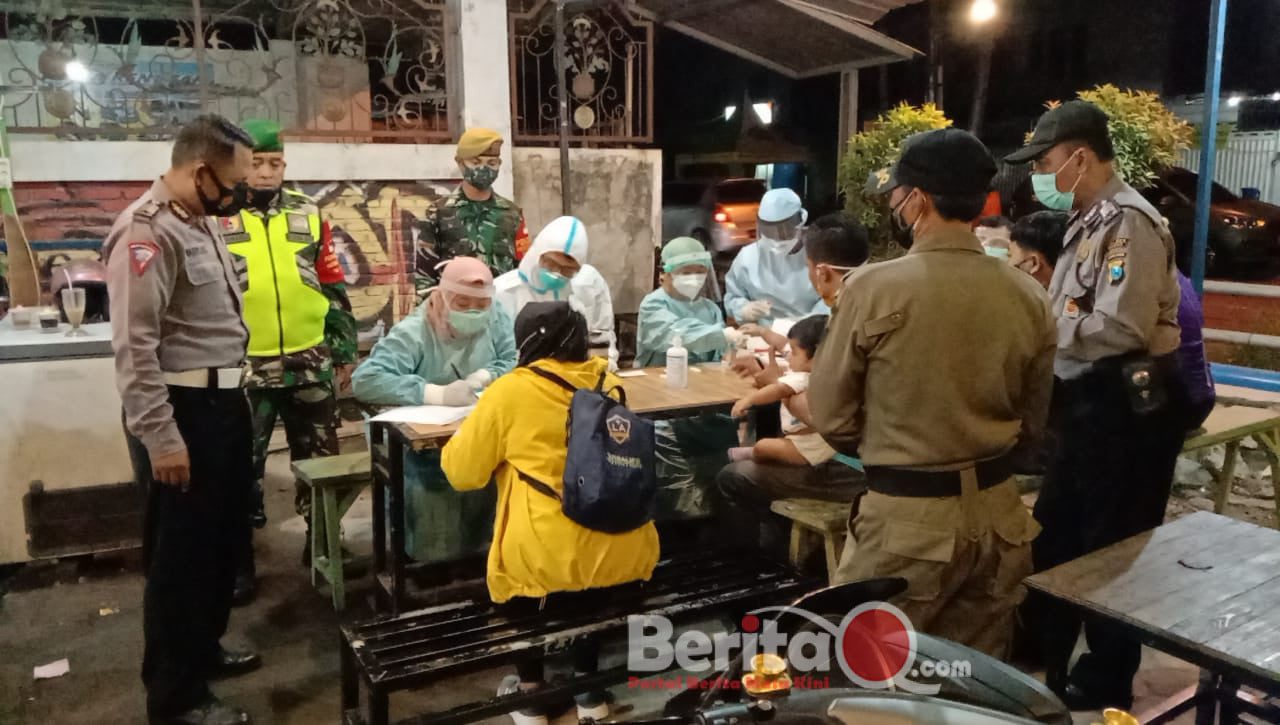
point(1119, 402)
point(179, 343)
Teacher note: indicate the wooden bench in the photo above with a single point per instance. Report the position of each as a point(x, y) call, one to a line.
point(336, 482)
point(813, 520)
point(394, 653)
point(1231, 425)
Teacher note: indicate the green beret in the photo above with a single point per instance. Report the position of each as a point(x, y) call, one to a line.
point(265, 134)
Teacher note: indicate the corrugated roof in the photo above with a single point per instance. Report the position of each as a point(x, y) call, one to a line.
point(797, 38)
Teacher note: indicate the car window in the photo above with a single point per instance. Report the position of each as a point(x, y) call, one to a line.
point(745, 191)
point(682, 194)
point(1185, 182)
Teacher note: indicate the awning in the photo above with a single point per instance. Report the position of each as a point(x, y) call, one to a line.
point(797, 38)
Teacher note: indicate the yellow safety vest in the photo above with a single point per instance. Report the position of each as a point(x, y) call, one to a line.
point(285, 314)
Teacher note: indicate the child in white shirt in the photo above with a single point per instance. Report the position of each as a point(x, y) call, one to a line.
point(801, 446)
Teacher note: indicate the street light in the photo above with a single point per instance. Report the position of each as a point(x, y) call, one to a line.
point(77, 72)
point(982, 11)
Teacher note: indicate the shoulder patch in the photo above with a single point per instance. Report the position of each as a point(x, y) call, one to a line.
point(298, 223)
point(1110, 212)
point(147, 212)
point(230, 224)
point(141, 254)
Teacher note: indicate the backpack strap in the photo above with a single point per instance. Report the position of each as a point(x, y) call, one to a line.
point(537, 485)
point(622, 393)
point(554, 378)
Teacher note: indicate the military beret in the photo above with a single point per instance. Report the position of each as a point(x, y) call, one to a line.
point(476, 142)
point(265, 134)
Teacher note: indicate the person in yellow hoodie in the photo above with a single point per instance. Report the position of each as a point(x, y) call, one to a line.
point(539, 559)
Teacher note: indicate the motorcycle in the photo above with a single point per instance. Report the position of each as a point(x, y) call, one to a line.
point(987, 692)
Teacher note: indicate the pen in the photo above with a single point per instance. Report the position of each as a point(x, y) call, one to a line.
point(455, 370)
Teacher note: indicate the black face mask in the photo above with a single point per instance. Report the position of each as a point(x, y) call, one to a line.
point(262, 199)
point(903, 233)
point(230, 199)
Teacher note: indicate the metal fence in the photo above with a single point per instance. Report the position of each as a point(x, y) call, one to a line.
point(1246, 160)
point(609, 69)
point(325, 69)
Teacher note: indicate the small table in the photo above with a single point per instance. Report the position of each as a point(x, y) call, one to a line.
point(1204, 589)
point(712, 388)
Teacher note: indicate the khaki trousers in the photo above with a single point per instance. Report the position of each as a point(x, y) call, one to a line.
point(964, 558)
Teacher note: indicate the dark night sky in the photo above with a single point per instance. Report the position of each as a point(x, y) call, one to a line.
point(1045, 49)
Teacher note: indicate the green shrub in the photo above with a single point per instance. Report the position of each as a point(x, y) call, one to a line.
point(1146, 134)
point(875, 149)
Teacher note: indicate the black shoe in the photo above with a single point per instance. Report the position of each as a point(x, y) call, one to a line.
point(229, 663)
point(210, 712)
point(246, 588)
point(1077, 699)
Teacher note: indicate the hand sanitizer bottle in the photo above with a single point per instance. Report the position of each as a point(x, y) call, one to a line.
point(677, 364)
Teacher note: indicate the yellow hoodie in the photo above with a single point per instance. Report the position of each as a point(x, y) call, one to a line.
point(520, 424)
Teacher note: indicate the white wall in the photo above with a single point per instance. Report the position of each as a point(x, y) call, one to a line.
point(485, 92)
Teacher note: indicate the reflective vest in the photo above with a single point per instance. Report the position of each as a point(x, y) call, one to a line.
point(283, 305)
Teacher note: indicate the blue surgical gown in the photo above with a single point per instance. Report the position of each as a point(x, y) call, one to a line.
point(782, 279)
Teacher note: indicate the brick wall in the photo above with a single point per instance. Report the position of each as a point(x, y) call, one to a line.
point(374, 226)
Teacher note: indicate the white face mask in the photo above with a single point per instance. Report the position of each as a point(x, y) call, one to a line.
point(688, 285)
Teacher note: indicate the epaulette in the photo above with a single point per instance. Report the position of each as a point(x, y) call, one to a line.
point(147, 212)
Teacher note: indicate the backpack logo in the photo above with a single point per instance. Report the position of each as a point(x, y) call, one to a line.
point(619, 429)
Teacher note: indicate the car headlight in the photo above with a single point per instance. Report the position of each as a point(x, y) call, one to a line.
point(1236, 221)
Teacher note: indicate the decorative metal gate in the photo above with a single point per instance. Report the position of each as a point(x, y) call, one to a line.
point(326, 69)
point(609, 68)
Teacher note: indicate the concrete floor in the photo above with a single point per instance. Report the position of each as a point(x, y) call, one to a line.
point(89, 611)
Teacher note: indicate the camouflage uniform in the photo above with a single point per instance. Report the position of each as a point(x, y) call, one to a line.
point(492, 231)
point(299, 387)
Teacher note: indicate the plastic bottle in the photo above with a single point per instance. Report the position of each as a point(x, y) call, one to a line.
point(677, 364)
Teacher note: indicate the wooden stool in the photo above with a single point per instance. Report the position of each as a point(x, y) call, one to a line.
point(336, 482)
point(811, 518)
point(1229, 426)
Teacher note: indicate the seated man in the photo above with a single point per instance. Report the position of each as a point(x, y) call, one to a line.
point(690, 450)
point(453, 345)
point(834, 246)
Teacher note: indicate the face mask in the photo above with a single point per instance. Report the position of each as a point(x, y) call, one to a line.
point(261, 199)
point(903, 233)
point(468, 322)
point(551, 281)
point(997, 252)
point(1045, 187)
point(230, 199)
point(689, 285)
point(481, 177)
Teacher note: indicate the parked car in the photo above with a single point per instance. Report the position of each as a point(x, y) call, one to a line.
point(720, 214)
point(1244, 235)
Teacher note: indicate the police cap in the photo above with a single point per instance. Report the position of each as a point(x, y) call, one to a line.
point(1072, 121)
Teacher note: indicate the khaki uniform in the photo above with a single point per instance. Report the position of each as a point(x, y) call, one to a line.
point(934, 362)
point(179, 344)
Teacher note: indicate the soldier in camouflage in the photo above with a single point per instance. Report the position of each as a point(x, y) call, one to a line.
point(474, 221)
point(302, 335)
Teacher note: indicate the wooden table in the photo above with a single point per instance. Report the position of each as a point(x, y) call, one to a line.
point(711, 389)
point(1204, 589)
point(1230, 425)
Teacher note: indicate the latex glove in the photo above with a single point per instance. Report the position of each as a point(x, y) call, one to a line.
point(734, 337)
point(480, 379)
point(457, 394)
point(754, 310)
point(613, 359)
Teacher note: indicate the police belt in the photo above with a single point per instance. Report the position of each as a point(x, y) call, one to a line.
point(210, 378)
point(935, 484)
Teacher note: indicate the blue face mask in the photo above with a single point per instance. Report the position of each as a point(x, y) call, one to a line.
point(468, 322)
point(551, 281)
point(1045, 187)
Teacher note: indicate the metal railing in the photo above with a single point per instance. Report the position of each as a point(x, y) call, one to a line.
point(325, 69)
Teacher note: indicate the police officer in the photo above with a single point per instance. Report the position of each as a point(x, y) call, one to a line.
point(179, 345)
point(474, 221)
point(301, 330)
point(936, 369)
point(1119, 399)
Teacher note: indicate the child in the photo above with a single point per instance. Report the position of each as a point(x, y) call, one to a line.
point(801, 446)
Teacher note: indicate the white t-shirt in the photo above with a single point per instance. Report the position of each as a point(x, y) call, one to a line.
point(798, 382)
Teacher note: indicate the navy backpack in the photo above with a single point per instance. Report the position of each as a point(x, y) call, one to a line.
point(609, 479)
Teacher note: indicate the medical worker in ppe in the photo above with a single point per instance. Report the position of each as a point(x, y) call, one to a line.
point(555, 269)
point(690, 451)
point(766, 282)
point(444, 353)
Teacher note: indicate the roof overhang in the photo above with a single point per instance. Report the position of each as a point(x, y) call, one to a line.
point(797, 38)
